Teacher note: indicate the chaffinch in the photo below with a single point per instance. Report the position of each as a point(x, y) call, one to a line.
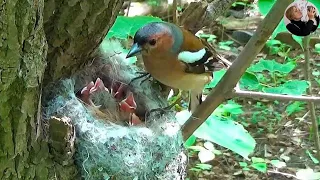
point(175, 57)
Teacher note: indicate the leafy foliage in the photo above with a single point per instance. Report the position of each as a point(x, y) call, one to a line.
point(224, 132)
point(294, 87)
point(125, 27)
point(272, 66)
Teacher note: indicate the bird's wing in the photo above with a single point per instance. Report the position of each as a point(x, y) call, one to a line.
point(193, 51)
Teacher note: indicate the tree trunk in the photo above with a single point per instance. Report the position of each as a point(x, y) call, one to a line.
point(72, 31)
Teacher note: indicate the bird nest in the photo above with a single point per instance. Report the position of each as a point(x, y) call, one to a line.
point(108, 124)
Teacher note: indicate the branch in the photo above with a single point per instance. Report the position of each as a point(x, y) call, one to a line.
point(311, 105)
point(236, 70)
point(270, 96)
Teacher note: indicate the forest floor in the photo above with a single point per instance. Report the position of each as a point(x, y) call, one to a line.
point(279, 136)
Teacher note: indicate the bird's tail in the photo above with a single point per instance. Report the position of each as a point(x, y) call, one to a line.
point(195, 99)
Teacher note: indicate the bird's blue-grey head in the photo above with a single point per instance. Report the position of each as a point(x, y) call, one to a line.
point(149, 33)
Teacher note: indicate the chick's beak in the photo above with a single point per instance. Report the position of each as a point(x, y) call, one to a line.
point(135, 49)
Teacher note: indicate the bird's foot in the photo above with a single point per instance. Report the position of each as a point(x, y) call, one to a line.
point(165, 109)
point(143, 74)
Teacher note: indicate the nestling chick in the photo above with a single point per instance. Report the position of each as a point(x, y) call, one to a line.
point(174, 57)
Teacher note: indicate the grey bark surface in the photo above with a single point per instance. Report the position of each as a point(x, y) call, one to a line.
point(74, 30)
point(23, 51)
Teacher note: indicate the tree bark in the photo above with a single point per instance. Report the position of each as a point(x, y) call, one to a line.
point(23, 51)
point(74, 30)
point(57, 34)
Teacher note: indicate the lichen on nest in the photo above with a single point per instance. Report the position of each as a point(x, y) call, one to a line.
point(108, 149)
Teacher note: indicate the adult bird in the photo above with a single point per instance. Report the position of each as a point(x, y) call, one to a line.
point(175, 57)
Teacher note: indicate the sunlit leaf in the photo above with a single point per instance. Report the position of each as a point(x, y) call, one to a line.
point(272, 66)
point(217, 75)
point(294, 87)
point(190, 141)
point(204, 166)
point(243, 164)
point(294, 107)
point(317, 47)
point(259, 164)
point(127, 26)
point(257, 160)
point(227, 133)
point(224, 132)
point(249, 81)
point(230, 108)
point(262, 167)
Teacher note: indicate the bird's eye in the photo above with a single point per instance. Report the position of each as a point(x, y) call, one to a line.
point(152, 42)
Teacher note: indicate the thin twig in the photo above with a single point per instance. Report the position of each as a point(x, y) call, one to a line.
point(237, 69)
point(311, 105)
point(174, 12)
point(270, 96)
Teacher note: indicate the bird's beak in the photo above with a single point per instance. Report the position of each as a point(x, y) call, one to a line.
point(135, 49)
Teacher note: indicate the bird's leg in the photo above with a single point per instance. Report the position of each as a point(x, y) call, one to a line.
point(163, 110)
point(148, 77)
point(143, 74)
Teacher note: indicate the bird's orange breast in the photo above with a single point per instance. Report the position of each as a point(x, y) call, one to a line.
point(170, 71)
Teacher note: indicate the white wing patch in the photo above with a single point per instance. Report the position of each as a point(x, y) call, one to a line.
point(191, 57)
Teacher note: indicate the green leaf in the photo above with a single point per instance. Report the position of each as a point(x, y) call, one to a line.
point(265, 6)
point(227, 133)
point(190, 141)
point(294, 87)
point(217, 75)
point(259, 164)
point(249, 81)
point(225, 45)
point(317, 47)
point(257, 160)
point(262, 167)
point(315, 160)
point(127, 26)
point(243, 164)
point(294, 107)
point(273, 42)
point(272, 66)
point(204, 166)
point(230, 108)
point(209, 37)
